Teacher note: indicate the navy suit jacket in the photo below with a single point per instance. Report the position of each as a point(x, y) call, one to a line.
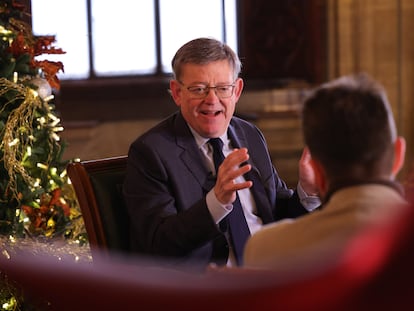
point(167, 182)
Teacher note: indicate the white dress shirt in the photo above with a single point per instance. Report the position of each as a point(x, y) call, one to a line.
point(218, 210)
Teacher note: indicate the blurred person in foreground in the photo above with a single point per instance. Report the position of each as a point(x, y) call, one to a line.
point(182, 208)
point(356, 154)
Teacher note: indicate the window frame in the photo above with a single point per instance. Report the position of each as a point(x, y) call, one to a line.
point(96, 95)
point(157, 75)
point(91, 100)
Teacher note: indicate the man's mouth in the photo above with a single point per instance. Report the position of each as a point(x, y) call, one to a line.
point(211, 113)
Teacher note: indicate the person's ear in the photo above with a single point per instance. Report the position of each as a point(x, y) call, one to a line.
point(320, 176)
point(399, 155)
point(175, 91)
point(239, 84)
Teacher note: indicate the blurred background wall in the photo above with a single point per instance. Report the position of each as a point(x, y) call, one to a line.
point(283, 59)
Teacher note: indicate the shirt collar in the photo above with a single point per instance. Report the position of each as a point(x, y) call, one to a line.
point(344, 184)
point(201, 141)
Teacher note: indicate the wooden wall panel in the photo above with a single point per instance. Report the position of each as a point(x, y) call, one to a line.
point(283, 40)
point(375, 36)
point(407, 78)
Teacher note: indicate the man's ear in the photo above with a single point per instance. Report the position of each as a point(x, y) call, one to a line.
point(399, 155)
point(239, 84)
point(175, 91)
point(320, 176)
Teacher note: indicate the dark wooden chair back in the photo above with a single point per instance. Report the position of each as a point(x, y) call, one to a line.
point(98, 187)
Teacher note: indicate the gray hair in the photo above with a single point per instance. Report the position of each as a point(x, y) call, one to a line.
point(202, 51)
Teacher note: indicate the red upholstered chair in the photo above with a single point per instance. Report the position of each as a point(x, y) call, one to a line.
point(98, 187)
point(374, 273)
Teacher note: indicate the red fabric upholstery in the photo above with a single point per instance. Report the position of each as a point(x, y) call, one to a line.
point(374, 273)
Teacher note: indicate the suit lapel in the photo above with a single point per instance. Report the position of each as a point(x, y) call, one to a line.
point(263, 205)
point(260, 195)
point(190, 154)
point(192, 159)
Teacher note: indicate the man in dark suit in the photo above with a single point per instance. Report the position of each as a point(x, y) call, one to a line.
point(180, 206)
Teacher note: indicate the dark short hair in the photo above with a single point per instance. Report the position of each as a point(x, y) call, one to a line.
point(348, 126)
point(202, 51)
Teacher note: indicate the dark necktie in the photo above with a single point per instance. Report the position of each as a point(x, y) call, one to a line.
point(238, 228)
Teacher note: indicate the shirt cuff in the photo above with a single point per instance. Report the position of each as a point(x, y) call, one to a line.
point(217, 210)
point(309, 202)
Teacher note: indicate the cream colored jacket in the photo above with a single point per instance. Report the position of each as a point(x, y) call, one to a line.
point(315, 239)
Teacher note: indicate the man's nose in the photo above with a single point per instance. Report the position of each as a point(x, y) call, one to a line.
point(211, 93)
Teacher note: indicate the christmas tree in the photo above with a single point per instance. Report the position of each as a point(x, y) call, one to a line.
point(37, 202)
point(36, 198)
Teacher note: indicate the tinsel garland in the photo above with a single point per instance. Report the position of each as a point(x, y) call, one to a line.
point(19, 120)
point(44, 201)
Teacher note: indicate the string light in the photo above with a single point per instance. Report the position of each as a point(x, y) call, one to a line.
point(5, 32)
point(55, 122)
point(41, 120)
point(58, 129)
point(48, 98)
point(42, 166)
point(14, 142)
point(55, 136)
point(7, 255)
point(52, 116)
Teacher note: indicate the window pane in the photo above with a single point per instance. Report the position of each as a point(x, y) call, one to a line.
point(72, 37)
point(231, 23)
point(183, 20)
point(123, 35)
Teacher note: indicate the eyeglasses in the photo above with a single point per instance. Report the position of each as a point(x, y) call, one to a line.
point(201, 91)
